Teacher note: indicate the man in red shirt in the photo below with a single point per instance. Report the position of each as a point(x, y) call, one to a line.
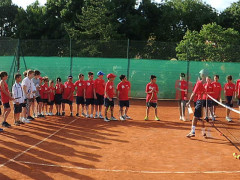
point(108, 98)
point(229, 91)
point(59, 87)
point(89, 94)
point(217, 88)
point(151, 99)
point(123, 92)
point(198, 91)
point(99, 87)
point(181, 87)
point(80, 85)
point(68, 91)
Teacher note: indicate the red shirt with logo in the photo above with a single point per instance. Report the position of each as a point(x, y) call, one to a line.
point(52, 93)
point(199, 90)
point(89, 89)
point(4, 97)
point(123, 88)
point(109, 89)
point(99, 85)
point(217, 88)
point(238, 88)
point(68, 90)
point(59, 88)
point(183, 86)
point(229, 89)
point(45, 91)
point(152, 97)
point(208, 89)
point(80, 85)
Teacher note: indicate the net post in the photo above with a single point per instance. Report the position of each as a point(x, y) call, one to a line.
point(18, 56)
point(128, 58)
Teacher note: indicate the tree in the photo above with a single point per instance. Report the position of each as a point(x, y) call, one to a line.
point(8, 12)
point(230, 17)
point(212, 43)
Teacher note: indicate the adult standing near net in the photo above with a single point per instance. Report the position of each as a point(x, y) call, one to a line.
point(199, 91)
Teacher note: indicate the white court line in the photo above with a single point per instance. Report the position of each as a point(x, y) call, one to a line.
point(131, 171)
point(17, 156)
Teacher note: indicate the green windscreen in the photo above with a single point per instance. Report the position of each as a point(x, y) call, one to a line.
point(140, 70)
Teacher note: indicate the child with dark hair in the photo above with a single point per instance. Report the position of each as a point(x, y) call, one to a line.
point(59, 87)
point(151, 99)
point(123, 92)
point(5, 97)
point(80, 84)
point(51, 97)
point(229, 91)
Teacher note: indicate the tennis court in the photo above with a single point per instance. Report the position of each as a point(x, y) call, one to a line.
point(80, 148)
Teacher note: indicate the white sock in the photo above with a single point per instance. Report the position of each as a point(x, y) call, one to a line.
point(100, 113)
point(193, 129)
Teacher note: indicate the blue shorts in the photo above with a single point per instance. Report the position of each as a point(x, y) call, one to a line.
point(99, 100)
point(108, 103)
point(228, 101)
point(198, 109)
point(80, 100)
point(207, 103)
point(66, 101)
point(124, 103)
point(58, 99)
point(151, 104)
point(89, 101)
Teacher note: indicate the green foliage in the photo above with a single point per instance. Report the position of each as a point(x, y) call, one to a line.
point(212, 43)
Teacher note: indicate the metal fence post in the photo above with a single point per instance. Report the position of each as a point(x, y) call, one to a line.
point(128, 67)
point(71, 59)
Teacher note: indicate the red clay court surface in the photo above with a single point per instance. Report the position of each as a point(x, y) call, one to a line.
point(79, 148)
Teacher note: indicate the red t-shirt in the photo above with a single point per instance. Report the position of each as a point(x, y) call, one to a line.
point(238, 88)
point(208, 90)
point(183, 86)
point(99, 85)
point(81, 85)
point(217, 88)
point(51, 94)
point(199, 90)
point(44, 90)
point(229, 89)
point(4, 97)
point(89, 89)
point(59, 88)
point(68, 90)
point(109, 89)
point(195, 96)
point(123, 88)
point(149, 87)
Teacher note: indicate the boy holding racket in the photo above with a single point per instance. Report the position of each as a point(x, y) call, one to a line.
point(151, 99)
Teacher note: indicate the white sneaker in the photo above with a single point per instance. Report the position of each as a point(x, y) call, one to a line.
point(113, 118)
point(183, 119)
point(24, 120)
point(106, 119)
point(122, 118)
point(215, 115)
point(228, 119)
point(100, 116)
point(84, 115)
point(96, 116)
point(87, 116)
point(127, 117)
point(180, 118)
point(91, 115)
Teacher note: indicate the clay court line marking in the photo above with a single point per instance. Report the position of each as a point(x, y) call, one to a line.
point(33, 146)
point(131, 171)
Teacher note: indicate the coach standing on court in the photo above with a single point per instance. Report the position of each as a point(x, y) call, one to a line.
point(199, 91)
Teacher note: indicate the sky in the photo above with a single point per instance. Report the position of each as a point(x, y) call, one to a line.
point(220, 5)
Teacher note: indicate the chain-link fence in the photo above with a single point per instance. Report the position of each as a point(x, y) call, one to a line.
point(136, 59)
